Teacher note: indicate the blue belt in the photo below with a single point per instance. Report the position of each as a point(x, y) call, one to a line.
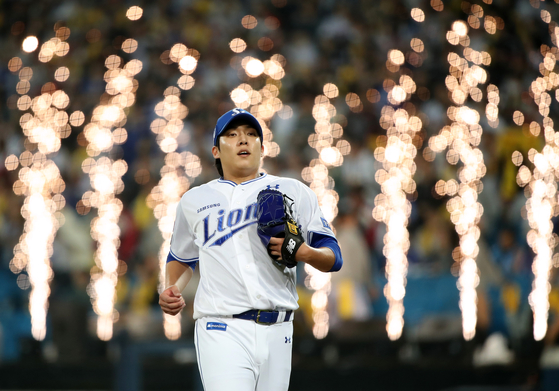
point(263, 317)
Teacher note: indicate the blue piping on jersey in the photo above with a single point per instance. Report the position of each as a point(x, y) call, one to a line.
point(224, 238)
point(221, 180)
point(321, 240)
point(190, 262)
point(182, 259)
point(262, 175)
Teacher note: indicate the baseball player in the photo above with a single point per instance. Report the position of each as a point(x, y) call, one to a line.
point(246, 230)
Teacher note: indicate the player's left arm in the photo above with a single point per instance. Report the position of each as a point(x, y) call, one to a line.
point(321, 249)
point(322, 258)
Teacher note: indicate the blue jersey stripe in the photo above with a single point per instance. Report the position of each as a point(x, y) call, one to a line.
point(182, 259)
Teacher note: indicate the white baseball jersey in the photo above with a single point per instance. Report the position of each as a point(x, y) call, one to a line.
point(215, 226)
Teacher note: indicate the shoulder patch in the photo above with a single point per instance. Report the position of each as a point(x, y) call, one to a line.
point(325, 223)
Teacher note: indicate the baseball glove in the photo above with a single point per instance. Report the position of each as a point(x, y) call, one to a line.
point(275, 219)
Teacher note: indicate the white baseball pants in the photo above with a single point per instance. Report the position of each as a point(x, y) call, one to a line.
point(241, 355)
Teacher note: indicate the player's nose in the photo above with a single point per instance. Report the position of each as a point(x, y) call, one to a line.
point(243, 138)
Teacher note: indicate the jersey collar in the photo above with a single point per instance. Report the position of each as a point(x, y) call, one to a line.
point(221, 180)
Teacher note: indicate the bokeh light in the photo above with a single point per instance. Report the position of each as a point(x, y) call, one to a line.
point(130, 45)
point(30, 44)
point(249, 22)
point(134, 13)
point(417, 14)
point(188, 63)
point(238, 45)
point(254, 67)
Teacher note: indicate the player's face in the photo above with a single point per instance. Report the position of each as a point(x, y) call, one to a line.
point(240, 150)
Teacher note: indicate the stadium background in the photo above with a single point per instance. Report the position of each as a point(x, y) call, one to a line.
point(349, 45)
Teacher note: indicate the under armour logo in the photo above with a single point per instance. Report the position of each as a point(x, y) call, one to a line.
point(291, 246)
point(287, 340)
point(270, 186)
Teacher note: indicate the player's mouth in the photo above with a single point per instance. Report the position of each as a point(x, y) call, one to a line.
point(243, 153)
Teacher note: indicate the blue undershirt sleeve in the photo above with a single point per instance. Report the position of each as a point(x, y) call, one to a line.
point(190, 262)
point(320, 240)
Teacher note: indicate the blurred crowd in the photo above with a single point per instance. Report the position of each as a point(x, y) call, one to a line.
point(323, 41)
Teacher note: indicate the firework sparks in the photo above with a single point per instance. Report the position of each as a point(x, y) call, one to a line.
point(462, 138)
point(165, 197)
point(39, 179)
point(541, 184)
point(396, 151)
point(103, 132)
point(392, 206)
point(330, 154)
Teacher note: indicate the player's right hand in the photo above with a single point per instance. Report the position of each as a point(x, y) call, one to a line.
point(171, 301)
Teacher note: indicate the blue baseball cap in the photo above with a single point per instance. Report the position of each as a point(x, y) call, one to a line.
point(236, 115)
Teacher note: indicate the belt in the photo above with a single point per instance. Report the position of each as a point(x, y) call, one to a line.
point(265, 317)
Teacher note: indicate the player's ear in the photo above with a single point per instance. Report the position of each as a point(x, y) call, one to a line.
point(215, 152)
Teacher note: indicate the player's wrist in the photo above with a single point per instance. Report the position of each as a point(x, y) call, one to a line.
point(304, 254)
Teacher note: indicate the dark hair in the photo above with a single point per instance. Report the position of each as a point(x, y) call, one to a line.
point(219, 168)
point(218, 161)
